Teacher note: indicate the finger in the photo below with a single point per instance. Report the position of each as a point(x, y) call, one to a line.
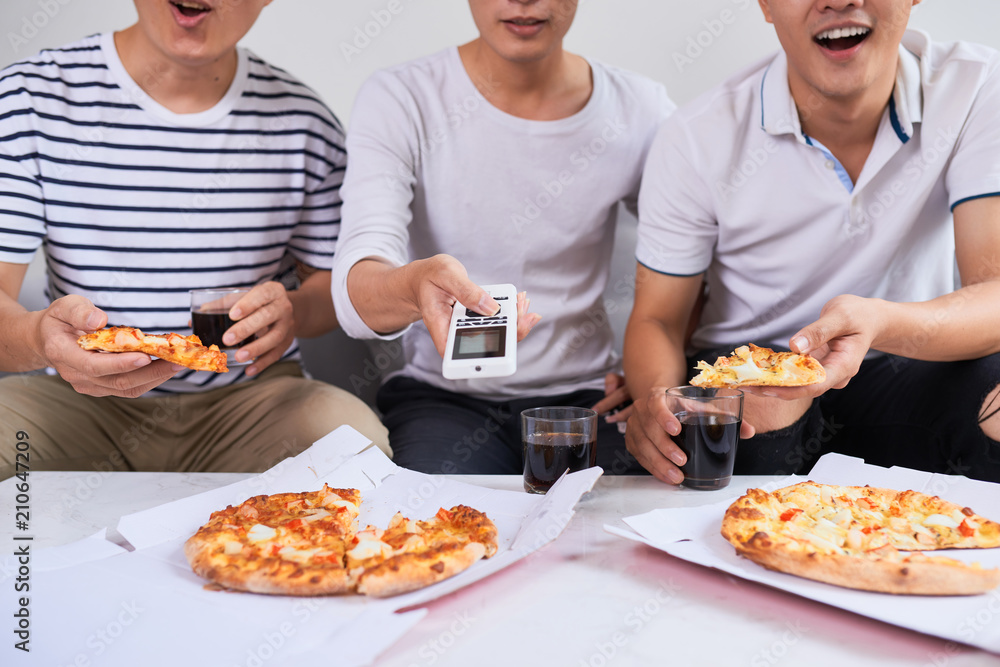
point(611, 401)
point(815, 335)
point(648, 454)
point(80, 313)
point(612, 381)
point(274, 340)
point(263, 361)
point(622, 415)
point(437, 323)
point(261, 308)
point(257, 297)
point(474, 297)
point(747, 430)
point(526, 324)
point(106, 364)
point(129, 384)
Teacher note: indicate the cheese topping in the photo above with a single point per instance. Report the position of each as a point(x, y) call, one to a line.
point(259, 532)
point(369, 548)
point(748, 370)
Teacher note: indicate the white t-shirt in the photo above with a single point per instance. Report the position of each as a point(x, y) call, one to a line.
point(734, 189)
point(435, 168)
point(136, 204)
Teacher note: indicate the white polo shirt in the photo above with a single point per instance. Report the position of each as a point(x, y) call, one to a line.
point(734, 189)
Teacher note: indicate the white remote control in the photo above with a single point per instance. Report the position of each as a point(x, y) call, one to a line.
point(483, 345)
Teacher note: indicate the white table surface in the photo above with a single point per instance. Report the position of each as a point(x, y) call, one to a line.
point(589, 598)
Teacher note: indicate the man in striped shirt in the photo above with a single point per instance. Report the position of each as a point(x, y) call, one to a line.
point(146, 163)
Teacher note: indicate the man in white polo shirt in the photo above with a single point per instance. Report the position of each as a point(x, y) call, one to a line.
point(824, 196)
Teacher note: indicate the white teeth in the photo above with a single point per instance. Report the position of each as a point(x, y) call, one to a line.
point(190, 5)
point(837, 33)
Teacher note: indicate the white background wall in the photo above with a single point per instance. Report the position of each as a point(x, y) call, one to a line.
point(306, 36)
point(333, 45)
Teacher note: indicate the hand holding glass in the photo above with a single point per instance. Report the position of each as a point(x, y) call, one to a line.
point(210, 318)
point(710, 431)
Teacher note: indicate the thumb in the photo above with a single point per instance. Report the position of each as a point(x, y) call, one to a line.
point(474, 297)
point(805, 341)
point(80, 313)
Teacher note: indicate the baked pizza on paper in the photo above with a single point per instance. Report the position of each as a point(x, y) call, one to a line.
point(186, 351)
point(752, 366)
point(309, 544)
point(863, 537)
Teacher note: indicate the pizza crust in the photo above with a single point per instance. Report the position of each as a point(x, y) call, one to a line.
point(412, 571)
point(934, 577)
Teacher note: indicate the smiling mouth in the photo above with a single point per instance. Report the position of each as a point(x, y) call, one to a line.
point(841, 39)
point(190, 9)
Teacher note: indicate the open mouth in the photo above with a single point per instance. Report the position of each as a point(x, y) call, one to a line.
point(190, 9)
point(841, 39)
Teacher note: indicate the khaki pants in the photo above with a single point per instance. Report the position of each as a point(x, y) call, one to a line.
point(246, 427)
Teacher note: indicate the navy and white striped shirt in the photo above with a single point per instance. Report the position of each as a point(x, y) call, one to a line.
point(135, 204)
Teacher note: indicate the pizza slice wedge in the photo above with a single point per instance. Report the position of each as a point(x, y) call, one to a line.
point(186, 351)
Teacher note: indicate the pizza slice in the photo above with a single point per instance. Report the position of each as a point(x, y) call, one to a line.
point(409, 554)
point(857, 537)
point(282, 544)
point(186, 351)
point(752, 366)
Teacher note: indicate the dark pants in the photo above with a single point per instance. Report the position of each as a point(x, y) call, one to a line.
point(436, 431)
point(896, 411)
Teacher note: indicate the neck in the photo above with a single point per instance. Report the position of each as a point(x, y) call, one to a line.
point(843, 122)
point(550, 88)
point(180, 87)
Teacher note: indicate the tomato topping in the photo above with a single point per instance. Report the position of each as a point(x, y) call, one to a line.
point(445, 515)
point(294, 523)
point(788, 515)
point(965, 529)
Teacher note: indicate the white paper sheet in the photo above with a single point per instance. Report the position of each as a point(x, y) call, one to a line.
point(148, 607)
point(693, 534)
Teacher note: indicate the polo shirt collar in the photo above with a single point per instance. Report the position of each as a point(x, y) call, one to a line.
point(780, 116)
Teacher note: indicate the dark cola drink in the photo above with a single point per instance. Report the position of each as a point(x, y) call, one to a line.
point(210, 326)
point(548, 455)
point(709, 440)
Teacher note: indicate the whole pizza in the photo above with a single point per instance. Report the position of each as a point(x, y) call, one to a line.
point(309, 543)
point(863, 537)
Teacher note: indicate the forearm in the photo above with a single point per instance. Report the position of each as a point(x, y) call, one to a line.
point(383, 295)
point(19, 345)
point(957, 326)
point(312, 306)
point(653, 357)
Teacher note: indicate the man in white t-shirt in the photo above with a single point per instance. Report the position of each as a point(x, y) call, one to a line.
point(824, 196)
point(145, 163)
point(500, 161)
